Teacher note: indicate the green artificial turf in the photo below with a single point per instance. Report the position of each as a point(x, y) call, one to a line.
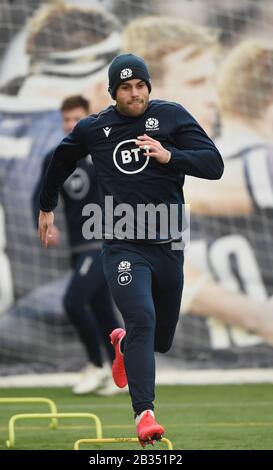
point(195, 417)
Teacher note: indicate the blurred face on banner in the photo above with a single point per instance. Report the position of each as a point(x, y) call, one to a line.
point(190, 80)
point(71, 117)
point(57, 60)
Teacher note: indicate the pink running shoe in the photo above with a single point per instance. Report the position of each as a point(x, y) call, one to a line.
point(148, 430)
point(118, 369)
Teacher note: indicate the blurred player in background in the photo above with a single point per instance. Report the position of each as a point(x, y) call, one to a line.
point(182, 59)
point(87, 301)
point(235, 218)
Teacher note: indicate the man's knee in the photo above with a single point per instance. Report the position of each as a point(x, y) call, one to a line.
point(137, 314)
point(163, 345)
point(139, 335)
point(162, 348)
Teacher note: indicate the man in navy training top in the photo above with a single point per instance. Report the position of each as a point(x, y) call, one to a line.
point(141, 151)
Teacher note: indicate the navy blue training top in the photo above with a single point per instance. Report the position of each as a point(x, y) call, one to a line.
point(123, 171)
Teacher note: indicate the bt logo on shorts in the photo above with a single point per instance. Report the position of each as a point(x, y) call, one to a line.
point(124, 279)
point(129, 158)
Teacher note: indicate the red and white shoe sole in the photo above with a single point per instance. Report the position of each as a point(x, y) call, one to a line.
point(151, 440)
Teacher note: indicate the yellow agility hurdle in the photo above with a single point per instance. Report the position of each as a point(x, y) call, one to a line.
point(11, 426)
point(48, 401)
point(78, 443)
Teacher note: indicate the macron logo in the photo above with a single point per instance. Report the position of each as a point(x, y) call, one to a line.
point(107, 130)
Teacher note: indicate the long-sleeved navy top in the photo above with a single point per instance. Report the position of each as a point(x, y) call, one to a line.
point(123, 171)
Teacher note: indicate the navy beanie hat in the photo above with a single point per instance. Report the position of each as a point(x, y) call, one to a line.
point(126, 67)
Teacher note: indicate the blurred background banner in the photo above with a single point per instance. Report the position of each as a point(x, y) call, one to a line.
point(216, 59)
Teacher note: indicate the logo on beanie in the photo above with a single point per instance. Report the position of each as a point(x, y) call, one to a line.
point(152, 124)
point(126, 73)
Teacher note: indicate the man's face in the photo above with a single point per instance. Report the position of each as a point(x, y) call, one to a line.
point(190, 81)
point(71, 117)
point(132, 97)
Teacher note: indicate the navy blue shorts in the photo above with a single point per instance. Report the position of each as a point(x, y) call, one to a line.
point(146, 281)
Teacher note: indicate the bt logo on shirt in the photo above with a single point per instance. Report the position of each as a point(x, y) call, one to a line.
point(129, 158)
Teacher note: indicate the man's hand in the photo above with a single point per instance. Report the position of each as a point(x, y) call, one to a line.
point(45, 229)
point(54, 239)
point(153, 148)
